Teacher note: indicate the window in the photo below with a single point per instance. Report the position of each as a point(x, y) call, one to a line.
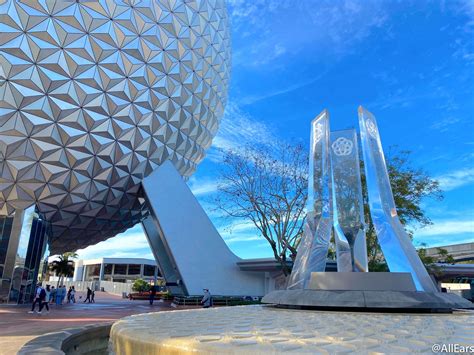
point(149, 270)
point(120, 269)
point(92, 272)
point(134, 269)
point(108, 269)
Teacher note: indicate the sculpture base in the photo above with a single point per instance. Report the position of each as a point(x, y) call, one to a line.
point(362, 281)
point(373, 301)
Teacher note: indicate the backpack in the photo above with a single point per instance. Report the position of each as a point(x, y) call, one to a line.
point(42, 295)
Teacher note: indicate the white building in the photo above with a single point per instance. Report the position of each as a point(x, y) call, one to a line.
point(115, 269)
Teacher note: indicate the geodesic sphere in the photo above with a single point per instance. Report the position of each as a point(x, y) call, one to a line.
point(94, 95)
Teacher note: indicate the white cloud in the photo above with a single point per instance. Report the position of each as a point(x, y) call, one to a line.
point(202, 187)
point(450, 226)
point(447, 231)
point(274, 31)
point(239, 231)
point(241, 238)
point(274, 53)
point(237, 130)
point(455, 179)
point(444, 124)
point(447, 227)
point(205, 187)
point(248, 100)
point(466, 7)
point(131, 244)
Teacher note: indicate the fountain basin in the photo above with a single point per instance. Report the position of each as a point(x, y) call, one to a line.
point(264, 329)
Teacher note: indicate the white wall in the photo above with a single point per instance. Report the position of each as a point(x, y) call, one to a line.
point(202, 257)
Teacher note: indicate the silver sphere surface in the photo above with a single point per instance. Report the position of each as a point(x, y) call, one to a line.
point(94, 95)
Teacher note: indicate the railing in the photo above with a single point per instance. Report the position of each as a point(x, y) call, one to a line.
point(216, 300)
point(116, 288)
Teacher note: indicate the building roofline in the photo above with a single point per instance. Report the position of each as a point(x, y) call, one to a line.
point(118, 261)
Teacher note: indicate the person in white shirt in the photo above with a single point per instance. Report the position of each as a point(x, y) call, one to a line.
point(207, 299)
point(73, 295)
point(37, 300)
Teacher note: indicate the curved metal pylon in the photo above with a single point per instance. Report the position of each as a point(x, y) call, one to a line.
point(348, 205)
point(396, 245)
point(313, 249)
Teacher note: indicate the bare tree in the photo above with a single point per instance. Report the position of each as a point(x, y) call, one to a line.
point(267, 186)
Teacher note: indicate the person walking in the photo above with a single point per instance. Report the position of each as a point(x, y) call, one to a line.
point(207, 299)
point(89, 293)
point(152, 294)
point(93, 296)
point(69, 294)
point(36, 300)
point(52, 297)
point(41, 298)
point(72, 295)
point(45, 300)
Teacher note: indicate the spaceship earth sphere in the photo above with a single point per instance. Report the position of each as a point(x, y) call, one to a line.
point(94, 95)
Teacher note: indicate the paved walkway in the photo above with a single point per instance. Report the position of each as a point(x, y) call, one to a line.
point(17, 326)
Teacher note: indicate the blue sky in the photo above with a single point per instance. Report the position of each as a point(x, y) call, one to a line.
point(408, 62)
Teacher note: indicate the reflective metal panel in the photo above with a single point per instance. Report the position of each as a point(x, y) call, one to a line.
point(313, 249)
point(28, 257)
point(396, 245)
point(7, 253)
point(26, 242)
point(163, 255)
point(348, 204)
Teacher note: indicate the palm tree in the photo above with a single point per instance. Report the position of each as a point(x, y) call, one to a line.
point(63, 266)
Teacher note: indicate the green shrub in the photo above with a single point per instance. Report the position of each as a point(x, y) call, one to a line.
point(140, 286)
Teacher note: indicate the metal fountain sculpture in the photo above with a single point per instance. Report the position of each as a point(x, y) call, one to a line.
point(335, 203)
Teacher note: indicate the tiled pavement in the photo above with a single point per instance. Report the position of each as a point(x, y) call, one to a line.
point(250, 328)
point(17, 326)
